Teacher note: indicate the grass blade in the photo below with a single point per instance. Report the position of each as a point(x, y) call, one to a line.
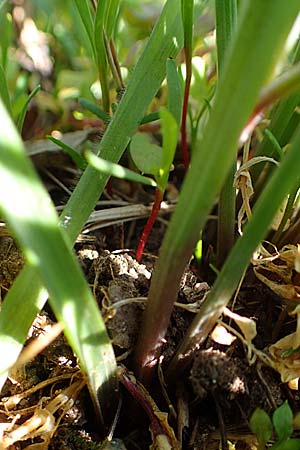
point(101, 57)
point(116, 170)
point(187, 9)
point(31, 215)
point(166, 40)
point(174, 91)
point(90, 106)
point(4, 94)
point(76, 157)
point(226, 19)
point(284, 180)
point(83, 7)
point(281, 119)
point(260, 22)
point(25, 106)
point(111, 17)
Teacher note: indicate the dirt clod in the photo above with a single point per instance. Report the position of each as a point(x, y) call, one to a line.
point(213, 370)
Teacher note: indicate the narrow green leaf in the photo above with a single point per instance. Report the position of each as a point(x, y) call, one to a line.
point(150, 118)
point(260, 22)
point(21, 117)
point(226, 20)
point(26, 295)
point(187, 7)
point(169, 130)
point(284, 179)
point(280, 87)
point(90, 106)
point(77, 158)
point(174, 90)
point(282, 124)
point(85, 13)
point(6, 26)
point(111, 17)
point(116, 170)
point(283, 421)
point(145, 155)
point(4, 94)
point(31, 215)
point(261, 425)
point(101, 57)
point(274, 142)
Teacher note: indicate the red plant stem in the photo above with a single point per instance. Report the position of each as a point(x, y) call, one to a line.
point(139, 393)
point(184, 143)
point(150, 222)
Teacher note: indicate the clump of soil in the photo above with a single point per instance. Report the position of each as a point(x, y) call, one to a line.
point(11, 262)
point(212, 400)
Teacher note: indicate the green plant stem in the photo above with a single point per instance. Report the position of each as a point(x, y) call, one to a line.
point(226, 19)
point(283, 181)
point(260, 22)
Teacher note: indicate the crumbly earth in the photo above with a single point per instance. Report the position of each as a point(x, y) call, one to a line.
point(215, 396)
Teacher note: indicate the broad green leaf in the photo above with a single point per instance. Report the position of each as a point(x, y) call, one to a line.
point(146, 156)
point(283, 421)
point(296, 421)
point(290, 444)
point(261, 425)
point(169, 129)
point(116, 170)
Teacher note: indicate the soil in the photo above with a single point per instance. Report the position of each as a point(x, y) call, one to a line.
point(210, 403)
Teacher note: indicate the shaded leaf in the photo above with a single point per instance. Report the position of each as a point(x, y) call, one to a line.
point(283, 421)
point(169, 130)
point(261, 425)
point(146, 156)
